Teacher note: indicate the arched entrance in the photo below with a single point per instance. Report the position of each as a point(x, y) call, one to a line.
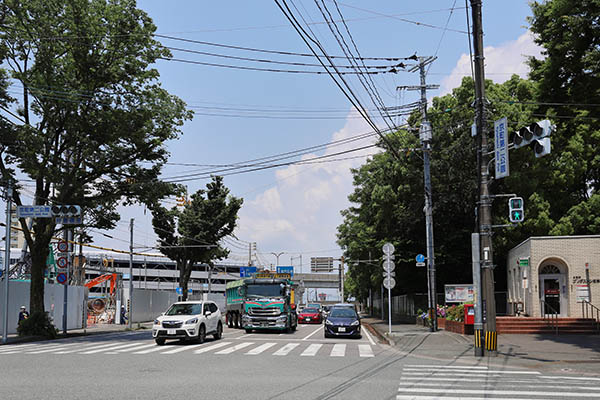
point(553, 288)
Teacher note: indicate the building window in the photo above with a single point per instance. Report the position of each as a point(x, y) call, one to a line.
point(549, 269)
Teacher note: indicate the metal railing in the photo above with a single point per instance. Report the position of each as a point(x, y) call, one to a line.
point(588, 310)
point(550, 317)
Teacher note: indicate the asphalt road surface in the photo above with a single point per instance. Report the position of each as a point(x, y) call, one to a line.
point(271, 365)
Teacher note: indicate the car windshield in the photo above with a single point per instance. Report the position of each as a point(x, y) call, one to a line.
point(310, 311)
point(185, 309)
point(342, 313)
point(265, 290)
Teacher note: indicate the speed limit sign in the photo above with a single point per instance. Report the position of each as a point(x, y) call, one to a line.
point(63, 247)
point(61, 262)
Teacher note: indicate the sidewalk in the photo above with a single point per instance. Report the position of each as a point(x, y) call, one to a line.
point(564, 352)
point(96, 329)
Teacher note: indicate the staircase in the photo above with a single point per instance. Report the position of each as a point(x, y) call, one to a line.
point(528, 325)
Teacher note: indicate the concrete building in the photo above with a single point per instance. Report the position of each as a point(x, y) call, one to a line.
point(554, 275)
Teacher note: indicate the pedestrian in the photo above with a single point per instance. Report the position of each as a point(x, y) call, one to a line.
point(123, 316)
point(23, 314)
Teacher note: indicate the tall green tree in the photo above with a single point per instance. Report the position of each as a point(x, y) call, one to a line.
point(92, 117)
point(191, 236)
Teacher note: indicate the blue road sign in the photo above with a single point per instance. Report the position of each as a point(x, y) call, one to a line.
point(246, 272)
point(420, 258)
point(34, 212)
point(61, 278)
point(286, 270)
point(179, 291)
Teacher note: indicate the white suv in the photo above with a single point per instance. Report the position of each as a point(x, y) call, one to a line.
point(188, 320)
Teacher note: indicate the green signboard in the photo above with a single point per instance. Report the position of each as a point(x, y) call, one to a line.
point(523, 262)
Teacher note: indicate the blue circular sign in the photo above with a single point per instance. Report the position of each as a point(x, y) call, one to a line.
point(420, 258)
point(61, 278)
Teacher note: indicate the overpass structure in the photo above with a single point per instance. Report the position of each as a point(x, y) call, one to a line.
point(317, 281)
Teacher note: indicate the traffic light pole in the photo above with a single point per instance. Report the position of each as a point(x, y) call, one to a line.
point(485, 200)
point(6, 275)
point(129, 322)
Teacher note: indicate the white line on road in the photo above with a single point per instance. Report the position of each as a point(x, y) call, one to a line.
point(180, 348)
point(476, 372)
point(49, 350)
point(260, 349)
point(116, 347)
point(312, 349)
point(446, 366)
point(422, 397)
point(284, 351)
point(366, 331)
point(571, 377)
point(338, 350)
point(313, 332)
point(209, 348)
point(136, 348)
point(364, 350)
point(88, 347)
point(235, 348)
point(155, 348)
point(486, 392)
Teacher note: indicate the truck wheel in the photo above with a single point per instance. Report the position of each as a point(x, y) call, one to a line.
point(238, 321)
point(248, 330)
point(229, 320)
point(219, 333)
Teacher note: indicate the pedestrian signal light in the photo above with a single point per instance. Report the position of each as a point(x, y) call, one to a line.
point(515, 207)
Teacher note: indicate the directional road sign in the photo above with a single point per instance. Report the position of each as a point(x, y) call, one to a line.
point(61, 278)
point(389, 283)
point(420, 258)
point(34, 212)
point(69, 220)
point(388, 248)
point(389, 265)
point(286, 270)
point(392, 274)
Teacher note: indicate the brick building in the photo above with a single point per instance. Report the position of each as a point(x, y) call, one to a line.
point(554, 275)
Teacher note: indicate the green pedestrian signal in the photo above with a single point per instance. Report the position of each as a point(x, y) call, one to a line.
point(515, 207)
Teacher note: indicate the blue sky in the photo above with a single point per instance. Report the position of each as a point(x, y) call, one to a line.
point(296, 209)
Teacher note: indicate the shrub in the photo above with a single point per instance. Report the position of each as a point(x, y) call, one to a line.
point(441, 311)
point(38, 324)
point(456, 313)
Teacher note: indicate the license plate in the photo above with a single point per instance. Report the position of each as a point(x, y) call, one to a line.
point(341, 329)
point(171, 332)
point(308, 319)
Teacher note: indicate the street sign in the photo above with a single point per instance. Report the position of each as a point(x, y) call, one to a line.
point(501, 147)
point(61, 278)
point(286, 270)
point(34, 212)
point(321, 264)
point(420, 264)
point(179, 291)
point(63, 246)
point(420, 258)
point(388, 248)
point(62, 262)
point(389, 283)
point(246, 272)
point(391, 273)
point(523, 262)
point(68, 220)
point(389, 265)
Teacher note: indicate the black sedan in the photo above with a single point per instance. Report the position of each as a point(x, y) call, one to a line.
point(342, 322)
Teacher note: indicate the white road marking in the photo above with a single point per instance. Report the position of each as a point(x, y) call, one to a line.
point(364, 350)
point(423, 397)
point(13, 347)
point(312, 349)
point(235, 348)
point(570, 377)
point(155, 348)
point(261, 348)
point(284, 351)
point(435, 369)
point(179, 349)
point(366, 331)
point(338, 350)
point(209, 348)
point(48, 350)
point(486, 392)
point(445, 366)
point(88, 347)
point(136, 348)
point(115, 347)
point(313, 332)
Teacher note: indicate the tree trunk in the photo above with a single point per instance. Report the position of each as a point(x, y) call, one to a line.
point(182, 281)
point(39, 254)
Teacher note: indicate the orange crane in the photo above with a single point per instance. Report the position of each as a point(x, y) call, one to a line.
point(103, 278)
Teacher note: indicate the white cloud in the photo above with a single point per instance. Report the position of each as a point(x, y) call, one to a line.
point(302, 210)
point(500, 62)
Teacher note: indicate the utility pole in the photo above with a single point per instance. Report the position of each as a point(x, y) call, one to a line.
point(9, 194)
point(484, 209)
point(130, 273)
point(68, 235)
point(342, 277)
point(425, 135)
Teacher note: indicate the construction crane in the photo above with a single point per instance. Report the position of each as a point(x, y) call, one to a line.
point(103, 278)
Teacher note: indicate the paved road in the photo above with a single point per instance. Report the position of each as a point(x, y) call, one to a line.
point(302, 365)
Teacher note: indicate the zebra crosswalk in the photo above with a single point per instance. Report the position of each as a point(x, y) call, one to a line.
point(453, 382)
point(218, 348)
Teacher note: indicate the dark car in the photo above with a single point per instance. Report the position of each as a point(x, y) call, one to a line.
point(342, 321)
point(310, 316)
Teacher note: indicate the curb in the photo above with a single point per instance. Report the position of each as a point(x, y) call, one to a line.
point(380, 336)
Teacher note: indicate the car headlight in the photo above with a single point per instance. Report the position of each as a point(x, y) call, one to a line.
point(355, 323)
point(156, 322)
point(282, 318)
point(328, 322)
point(191, 321)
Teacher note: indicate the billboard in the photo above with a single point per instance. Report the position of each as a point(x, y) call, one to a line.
point(458, 293)
point(321, 264)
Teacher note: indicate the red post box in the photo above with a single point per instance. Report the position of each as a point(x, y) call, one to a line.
point(469, 314)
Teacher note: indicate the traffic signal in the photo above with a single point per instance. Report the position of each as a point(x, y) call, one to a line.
point(537, 135)
point(515, 209)
point(66, 211)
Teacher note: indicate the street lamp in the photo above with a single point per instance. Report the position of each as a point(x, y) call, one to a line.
point(278, 255)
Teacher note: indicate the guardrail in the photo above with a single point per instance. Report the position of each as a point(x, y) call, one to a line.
point(550, 317)
point(588, 310)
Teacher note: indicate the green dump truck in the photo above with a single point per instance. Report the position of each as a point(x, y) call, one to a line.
point(265, 301)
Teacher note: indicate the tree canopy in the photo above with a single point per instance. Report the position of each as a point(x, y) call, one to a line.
point(89, 120)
